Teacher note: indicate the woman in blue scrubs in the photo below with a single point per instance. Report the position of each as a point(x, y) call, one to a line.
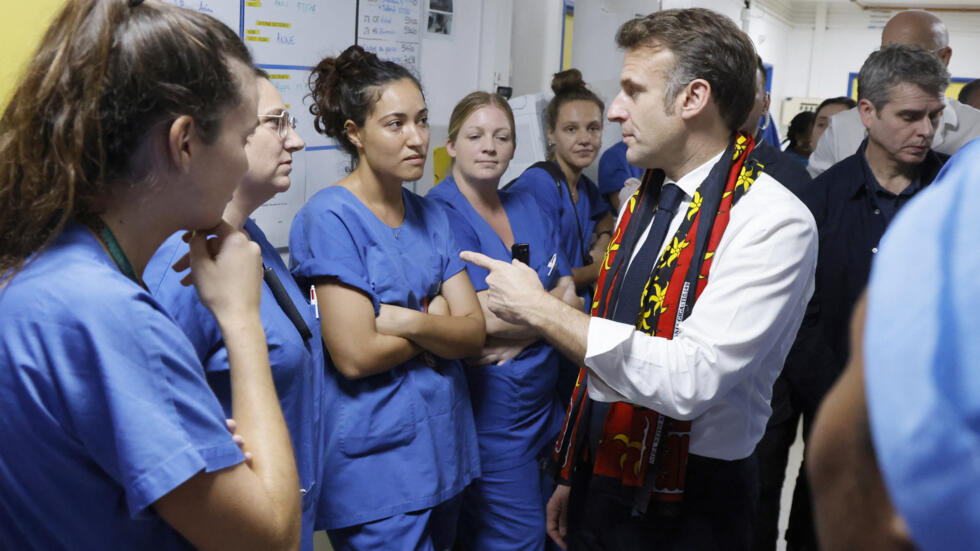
point(574, 118)
point(112, 437)
point(513, 382)
point(397, 308)
point(292, 331)
point(566, 195)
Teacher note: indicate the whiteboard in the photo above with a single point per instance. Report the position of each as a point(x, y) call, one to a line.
point(391, 29)
point(297, 32)
point(228, 12)
point(288, 38)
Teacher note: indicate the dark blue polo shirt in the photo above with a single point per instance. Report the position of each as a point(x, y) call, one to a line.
point(852, 211)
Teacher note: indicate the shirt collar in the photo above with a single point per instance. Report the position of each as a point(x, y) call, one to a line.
point(689, 182)
point(949, 114)
point(925, 173)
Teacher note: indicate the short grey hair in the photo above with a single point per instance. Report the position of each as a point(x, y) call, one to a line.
point(896, 64)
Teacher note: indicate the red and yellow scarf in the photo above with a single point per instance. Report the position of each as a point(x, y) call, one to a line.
point(635, 439)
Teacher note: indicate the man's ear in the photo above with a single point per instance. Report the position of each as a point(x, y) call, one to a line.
point(179, 141)
point(353, 133)
point(867, 111)
point(693, 99)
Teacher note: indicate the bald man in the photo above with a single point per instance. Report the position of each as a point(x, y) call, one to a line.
point(959, 123)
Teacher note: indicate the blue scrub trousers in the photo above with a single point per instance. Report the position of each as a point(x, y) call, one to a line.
point(504, 510)
point(426, 530)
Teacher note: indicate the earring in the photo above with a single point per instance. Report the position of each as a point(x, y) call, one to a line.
point(766, 121)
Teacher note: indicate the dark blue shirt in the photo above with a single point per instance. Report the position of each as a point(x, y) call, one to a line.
point(614, 170)
point(852, 211)
point(783, 167)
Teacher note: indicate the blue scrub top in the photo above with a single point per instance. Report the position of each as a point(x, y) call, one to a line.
point(105, 407)
point(556, 204)
point(402, 440)
point(516, 404)
point(614, 169)
point(297, 364)
point(921, 356)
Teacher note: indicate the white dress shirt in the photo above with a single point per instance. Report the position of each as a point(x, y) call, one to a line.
point(720, 367)
point(958, 125)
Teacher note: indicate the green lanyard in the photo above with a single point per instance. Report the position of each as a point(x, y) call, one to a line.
point(117, 254)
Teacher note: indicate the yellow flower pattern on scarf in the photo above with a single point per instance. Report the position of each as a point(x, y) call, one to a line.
point(739, 146)
point(695, 205)
point(656, 299)
point(672, 252)
point(745, 178)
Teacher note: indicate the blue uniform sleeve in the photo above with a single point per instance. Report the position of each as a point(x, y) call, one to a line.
point(542, 188)
point(322, 244)
point(612, 171)
point(598, 206)
point(139, 401)
point(563, 266)
point(552, 234)
point(547, 237)
point(443, 236)
point(183, 304)
point(467, 240)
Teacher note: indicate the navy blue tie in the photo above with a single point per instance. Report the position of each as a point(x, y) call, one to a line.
point(641, 268)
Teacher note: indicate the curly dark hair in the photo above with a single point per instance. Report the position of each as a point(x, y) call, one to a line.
point(346, 87)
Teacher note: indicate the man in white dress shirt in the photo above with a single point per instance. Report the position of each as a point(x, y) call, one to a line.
point(959, 124)
point(687, 85)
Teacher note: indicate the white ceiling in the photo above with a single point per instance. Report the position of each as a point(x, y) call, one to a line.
point(959, 15)
point(922, 4)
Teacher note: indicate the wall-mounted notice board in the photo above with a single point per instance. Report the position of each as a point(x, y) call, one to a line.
point(287, 39)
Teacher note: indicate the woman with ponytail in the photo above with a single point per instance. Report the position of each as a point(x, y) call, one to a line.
point(113, 439)
point(568, 197)
point(397, 311)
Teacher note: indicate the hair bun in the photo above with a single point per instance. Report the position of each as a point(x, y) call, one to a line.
point(352, 60)
point(567, 81)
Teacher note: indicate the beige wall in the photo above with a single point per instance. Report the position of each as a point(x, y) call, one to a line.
point(25, 23)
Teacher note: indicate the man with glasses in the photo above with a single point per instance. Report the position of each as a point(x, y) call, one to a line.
point(958, 125)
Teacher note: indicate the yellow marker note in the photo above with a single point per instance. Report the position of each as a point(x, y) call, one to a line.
point(273, 24)
point(256, 38)
point(254, 4)
point(278, 77)
point(441, 164)
point(252, 31)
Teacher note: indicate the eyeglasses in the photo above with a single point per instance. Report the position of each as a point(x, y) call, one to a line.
point(284, 122)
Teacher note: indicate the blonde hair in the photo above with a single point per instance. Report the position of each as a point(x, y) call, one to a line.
point(473, 101)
